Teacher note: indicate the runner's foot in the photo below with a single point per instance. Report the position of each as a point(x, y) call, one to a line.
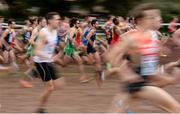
point(25, 84)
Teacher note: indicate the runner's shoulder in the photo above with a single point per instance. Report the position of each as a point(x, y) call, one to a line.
point(130, 34)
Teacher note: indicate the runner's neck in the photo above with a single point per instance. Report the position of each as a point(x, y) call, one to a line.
point(50, 28)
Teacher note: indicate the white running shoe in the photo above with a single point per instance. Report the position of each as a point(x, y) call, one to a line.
point(103, 77)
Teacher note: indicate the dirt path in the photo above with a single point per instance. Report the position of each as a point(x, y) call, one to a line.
point(74, 97)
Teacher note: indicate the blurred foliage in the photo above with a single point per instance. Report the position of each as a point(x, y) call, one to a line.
point(21, 9)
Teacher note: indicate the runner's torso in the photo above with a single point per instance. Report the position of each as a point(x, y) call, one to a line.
point(49, 47)
point(146, 54)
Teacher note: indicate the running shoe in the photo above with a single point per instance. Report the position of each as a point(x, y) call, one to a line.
point(41, 111)
point(103, 77)
point(25, 84)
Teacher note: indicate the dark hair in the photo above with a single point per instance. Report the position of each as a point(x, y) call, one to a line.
point(115, 21)
point(73, 21)
point(63, 18)
point(33, 19)
point(109, 17)
point(138, 12)
point(130, 20)
point(50, 15)
point(40, 19)
point(10, 21)
point(93, 22)
point(89, 22)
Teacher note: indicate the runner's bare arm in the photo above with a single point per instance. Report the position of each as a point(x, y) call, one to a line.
point(72, 32)
point(3, 37)
point(119, 49)
point(33, 36)
point(176, 37)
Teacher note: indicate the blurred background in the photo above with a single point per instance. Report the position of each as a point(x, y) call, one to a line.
point(21, 9)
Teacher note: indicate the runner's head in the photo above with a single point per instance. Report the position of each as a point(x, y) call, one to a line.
point(110, 17)
point(27, 23)
point(94, 23)
point(147, 15)
point(33, 20)
point(116, 21)
point(53, 19)
point(11, 23)
point(73, 22)
point(175, 19)
point(77, 24)
point(42, 21)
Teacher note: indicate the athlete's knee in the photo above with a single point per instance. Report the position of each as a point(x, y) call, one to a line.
point(97, 60)
point(60, 83)
point(90, 62)
point(51, 87)
point(80, 62)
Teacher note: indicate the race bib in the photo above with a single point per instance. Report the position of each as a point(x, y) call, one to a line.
point(149, 65)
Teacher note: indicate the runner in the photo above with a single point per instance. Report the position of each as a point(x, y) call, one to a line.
point(44, 59)
point(70, 50)
point(31, 23)
point(31, 72)
point(9, 45)
point(116, 32)
point(92, 53)
point(141, 69)
point(62, 31)
point(108, 29)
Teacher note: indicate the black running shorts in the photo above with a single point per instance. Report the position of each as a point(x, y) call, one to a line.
point(47, 71)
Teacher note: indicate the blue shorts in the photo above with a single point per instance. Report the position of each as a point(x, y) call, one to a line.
point(91, 49)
